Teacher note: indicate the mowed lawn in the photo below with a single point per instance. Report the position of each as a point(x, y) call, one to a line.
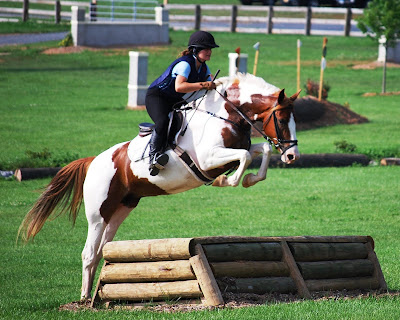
point(55, 108)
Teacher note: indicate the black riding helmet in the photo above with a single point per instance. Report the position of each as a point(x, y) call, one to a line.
point(202, 40)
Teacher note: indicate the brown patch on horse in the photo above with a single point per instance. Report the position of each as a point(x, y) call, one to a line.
point(126, 189)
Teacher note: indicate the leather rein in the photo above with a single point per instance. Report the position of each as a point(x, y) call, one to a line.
point(276, 142)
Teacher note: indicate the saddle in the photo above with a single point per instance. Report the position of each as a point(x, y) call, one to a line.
point(175, 127)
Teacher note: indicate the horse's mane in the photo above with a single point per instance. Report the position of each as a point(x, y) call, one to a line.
point(248, 80)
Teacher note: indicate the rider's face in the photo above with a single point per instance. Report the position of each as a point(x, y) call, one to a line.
point(205, 54)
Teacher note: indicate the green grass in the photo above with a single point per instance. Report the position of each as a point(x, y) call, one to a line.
point(32, 26)
point(38, 278)
point(55, 108)
point(83, 96)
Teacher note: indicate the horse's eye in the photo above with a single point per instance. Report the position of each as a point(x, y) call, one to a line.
point(283, 121)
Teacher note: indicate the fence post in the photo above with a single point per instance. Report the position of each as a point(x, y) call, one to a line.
point(307, 31)
point(234, 66)
point(77, 27)
point(137, 86)
point(58, 12)
point(234, 18)
point(197, 20)
point(347, 26)
point(25, 11)
point(270, 16)
point(93, 10)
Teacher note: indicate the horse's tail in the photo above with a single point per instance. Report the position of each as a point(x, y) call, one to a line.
point(67, 182)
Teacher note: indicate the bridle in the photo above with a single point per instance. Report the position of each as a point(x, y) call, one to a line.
point(276, 142)
point(279, 140)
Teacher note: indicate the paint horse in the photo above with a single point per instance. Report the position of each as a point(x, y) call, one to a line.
point(216, 139)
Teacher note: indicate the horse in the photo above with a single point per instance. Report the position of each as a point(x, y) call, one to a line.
point(215, 139)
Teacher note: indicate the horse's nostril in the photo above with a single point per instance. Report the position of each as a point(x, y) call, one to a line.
point(290, 157)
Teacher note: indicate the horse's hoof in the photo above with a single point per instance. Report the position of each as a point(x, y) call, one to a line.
point(246, 183)
point(220, 181)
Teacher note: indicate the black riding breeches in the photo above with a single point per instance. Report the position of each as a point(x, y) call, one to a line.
point(158, 107)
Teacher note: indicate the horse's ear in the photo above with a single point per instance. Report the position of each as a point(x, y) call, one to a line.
point(294, 97)
point(281, 96)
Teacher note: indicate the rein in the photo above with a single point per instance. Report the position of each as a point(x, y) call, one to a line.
point(280, 141)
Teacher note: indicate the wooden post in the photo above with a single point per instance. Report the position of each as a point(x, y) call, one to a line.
point(307, 30)
point(257, 47)
point(147, 271)
point(93, 10)
point(347, 26)
point(298, 63)
point(270, 22)
point(323, 66)
point(25, 11)
point(96, 299)
point(294, 271)
point(234, 18)
point(197, 20)
point(150, 290)
point(35, 173)
point(378, 274)
point(148, 250)
point(57, 12)
point(205, 277)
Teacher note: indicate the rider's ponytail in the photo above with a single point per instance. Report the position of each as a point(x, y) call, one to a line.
point(186, 52)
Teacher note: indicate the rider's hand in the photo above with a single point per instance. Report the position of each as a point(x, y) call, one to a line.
point(208, 85)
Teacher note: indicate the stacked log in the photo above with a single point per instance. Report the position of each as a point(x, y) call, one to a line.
point(202, 268)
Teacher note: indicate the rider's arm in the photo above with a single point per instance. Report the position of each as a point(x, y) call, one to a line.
point(181, 71)
point(182, 86)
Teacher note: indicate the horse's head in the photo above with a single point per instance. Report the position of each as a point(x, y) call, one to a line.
point(262, 102)
point(279, 124)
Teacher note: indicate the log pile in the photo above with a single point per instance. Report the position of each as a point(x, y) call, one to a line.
point(202, 268)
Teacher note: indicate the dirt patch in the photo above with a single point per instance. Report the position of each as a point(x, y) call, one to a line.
point(374, 94)
point(66, 50)
point(374, 65)
point(232, 301)
point(312, 113)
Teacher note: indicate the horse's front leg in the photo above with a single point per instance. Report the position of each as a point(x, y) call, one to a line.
point(266, 149)
point(221, 156)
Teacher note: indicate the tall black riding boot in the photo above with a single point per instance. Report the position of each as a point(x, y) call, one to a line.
point(158, 159)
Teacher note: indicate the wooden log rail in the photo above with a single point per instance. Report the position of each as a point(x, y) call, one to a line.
point(202, 268)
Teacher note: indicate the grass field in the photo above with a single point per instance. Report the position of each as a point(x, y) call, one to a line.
point(55, 108)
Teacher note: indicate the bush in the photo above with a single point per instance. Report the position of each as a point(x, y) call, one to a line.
point(344, 146)
point(67, 41)
point(312, 89)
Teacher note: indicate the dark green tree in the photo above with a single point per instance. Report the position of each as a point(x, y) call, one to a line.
point(381, 20)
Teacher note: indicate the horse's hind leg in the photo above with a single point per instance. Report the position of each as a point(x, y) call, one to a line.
point(108, 235)
point(96, 229)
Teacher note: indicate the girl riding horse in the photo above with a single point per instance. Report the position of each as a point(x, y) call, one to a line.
point(186, 74)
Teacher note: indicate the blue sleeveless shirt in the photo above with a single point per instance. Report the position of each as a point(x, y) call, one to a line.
point(166, 82)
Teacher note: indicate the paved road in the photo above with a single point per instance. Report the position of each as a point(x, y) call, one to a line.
point(25, 38)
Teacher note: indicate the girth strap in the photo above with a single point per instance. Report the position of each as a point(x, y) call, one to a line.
point(191, 165)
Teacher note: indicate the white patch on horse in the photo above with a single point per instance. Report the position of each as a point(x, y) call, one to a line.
point(96, 185)
point(247, 83)
point(292, 127)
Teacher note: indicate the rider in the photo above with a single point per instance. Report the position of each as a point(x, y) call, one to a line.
point(186, 74)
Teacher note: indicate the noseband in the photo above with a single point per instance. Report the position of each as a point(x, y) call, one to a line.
point(276, 142)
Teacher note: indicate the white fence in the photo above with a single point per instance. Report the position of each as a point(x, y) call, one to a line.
point(122, 10)
point(266, 19)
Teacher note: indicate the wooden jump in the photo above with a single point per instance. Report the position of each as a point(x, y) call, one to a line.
point(202, 268)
